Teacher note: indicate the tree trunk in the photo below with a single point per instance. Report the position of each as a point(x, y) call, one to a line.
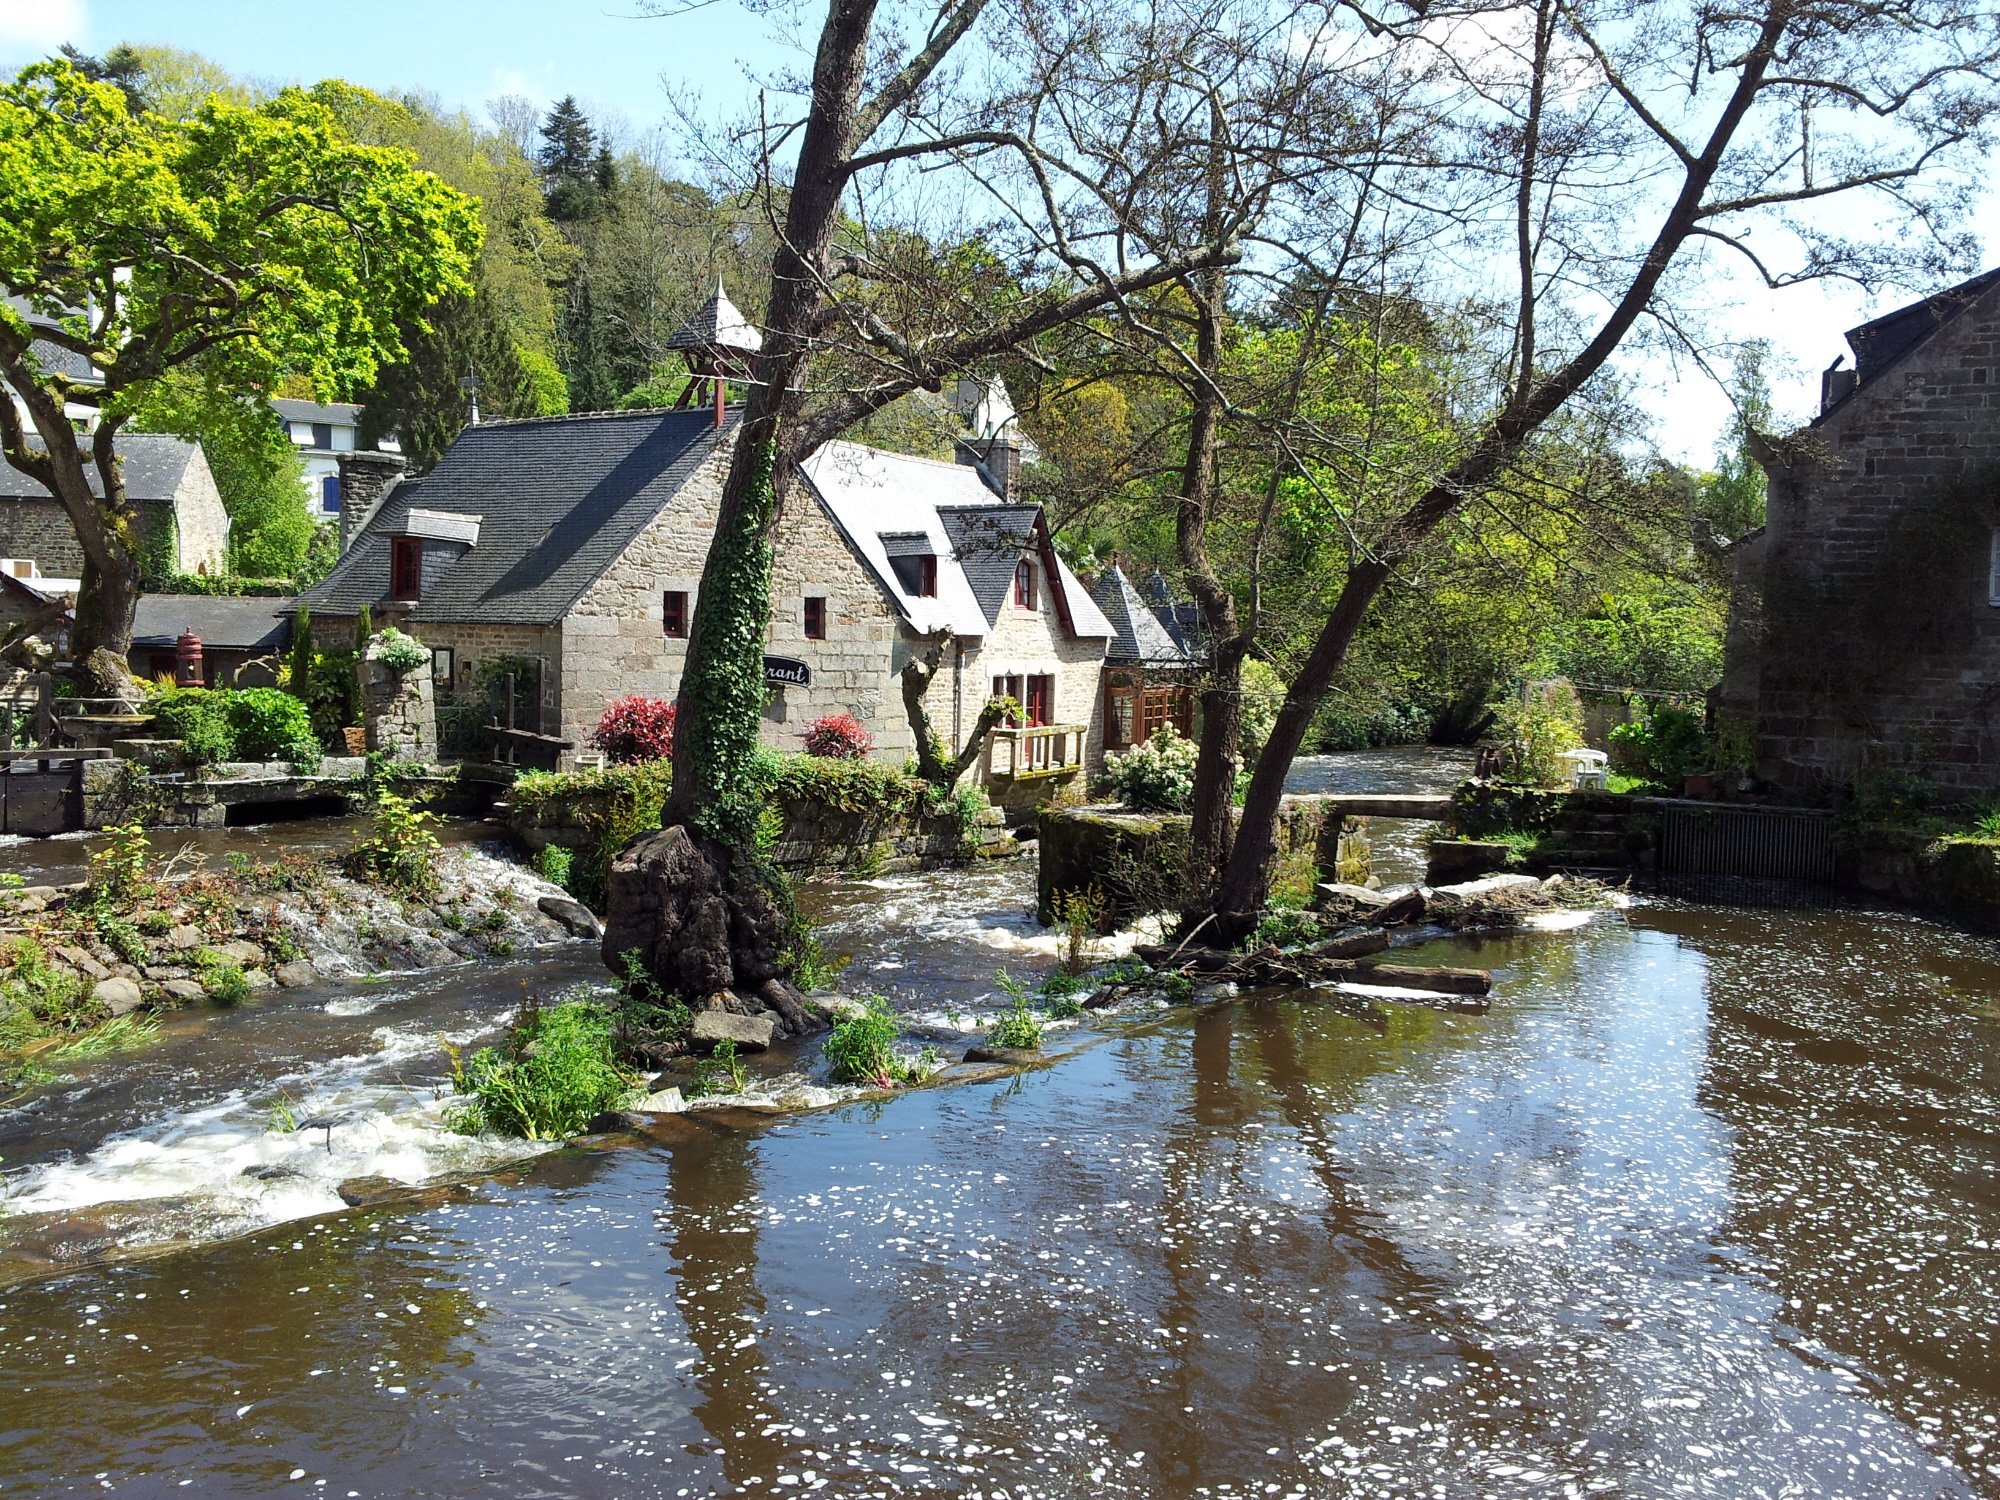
point(917, 674)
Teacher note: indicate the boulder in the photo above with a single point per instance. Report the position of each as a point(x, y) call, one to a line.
point(184, 989)
point(118, 995)
point(1492, 885)
point(184, 936)
point(666, 1101)
point(245, 955)
point(616, 1122)
point(296, 973)
point(574, 916)
point(257, 979)
point(1335, 894)
point(83, 962)
point(749, 1033)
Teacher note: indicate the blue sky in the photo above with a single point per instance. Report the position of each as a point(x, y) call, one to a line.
point(621, 65)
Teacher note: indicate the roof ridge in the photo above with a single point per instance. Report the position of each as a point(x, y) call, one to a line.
point(915, 458)
point(597, 416)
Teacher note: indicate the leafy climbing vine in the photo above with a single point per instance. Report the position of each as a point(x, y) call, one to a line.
point(726, 687)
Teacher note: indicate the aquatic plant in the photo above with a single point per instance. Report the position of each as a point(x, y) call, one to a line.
point(553, 864)
point(719, 1073)
point(118, 871)
point(400, 852)
point(223, 979)
point(862, 1049)
point(1080, 914)
point(1017, 1025)
point(553, 1074)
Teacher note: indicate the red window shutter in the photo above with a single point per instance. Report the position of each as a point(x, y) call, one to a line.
point(674, 613)
point(406, 567)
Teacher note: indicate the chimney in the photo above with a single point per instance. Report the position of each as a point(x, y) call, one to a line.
point(366, 478)
point(998, 460)
point(1836, 385)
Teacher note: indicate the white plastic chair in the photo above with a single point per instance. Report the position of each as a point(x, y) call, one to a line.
point(1587, 769)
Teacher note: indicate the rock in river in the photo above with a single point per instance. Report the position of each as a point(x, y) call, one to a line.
point(119, 996)
point(749, 1033)
point(574, 916)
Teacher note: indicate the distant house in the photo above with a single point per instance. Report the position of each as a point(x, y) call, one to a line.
point(1865, 622)
point(1148, 670)
point(181, 518)
point(568, 551)
point(241, 637)
point(321, 432)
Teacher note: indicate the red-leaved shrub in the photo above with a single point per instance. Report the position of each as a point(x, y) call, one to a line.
point(635, 729)
point(838, 737)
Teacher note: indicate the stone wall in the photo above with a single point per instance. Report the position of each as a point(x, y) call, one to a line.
point(41, 529)
point(1879, 644)
point(201, 524)
point(398, 709)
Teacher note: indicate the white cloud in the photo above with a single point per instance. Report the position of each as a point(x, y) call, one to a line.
point(39, 26)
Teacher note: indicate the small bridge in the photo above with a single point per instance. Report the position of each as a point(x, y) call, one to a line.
point(1432, 807)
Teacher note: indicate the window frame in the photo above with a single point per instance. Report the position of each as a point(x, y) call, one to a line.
point(674, 614)
point(1026, 596)
point(406, 569)
point(444, 665)
point(815, 605)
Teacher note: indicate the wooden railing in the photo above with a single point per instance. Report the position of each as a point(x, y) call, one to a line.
point(1043, 750)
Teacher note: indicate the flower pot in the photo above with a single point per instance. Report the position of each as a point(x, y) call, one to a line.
point(1701, 784)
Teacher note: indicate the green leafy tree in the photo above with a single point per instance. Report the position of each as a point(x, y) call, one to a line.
point(1732, 497)
point(257, 471)
point(255, 242)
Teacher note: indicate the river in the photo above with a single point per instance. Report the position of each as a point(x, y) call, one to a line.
point(1705, 1205)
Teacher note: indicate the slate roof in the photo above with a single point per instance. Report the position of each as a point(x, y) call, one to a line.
point(337, 413)
point(155, 466)
point(1881, 342)
point(1138, 637)
point(560, 498)
point(717, 324)
point(883, 501)
point(228, 624)
point(58, 360)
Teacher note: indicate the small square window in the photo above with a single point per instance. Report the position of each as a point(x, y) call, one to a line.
point(815, 618)
point(674, 613)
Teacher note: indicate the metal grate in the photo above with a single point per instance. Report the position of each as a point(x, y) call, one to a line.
point(1758, 843)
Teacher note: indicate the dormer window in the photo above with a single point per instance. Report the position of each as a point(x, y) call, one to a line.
point(406, 568)
point(1024, 585)
point(917, 575)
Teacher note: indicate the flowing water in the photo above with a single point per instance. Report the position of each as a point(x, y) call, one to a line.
point(1706, 1205)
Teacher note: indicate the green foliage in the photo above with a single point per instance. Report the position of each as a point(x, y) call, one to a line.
point(326, 246)
point(555, 1071)
point(862, 1049)
point(119, 870)
point(1353, 855)
point(54, 998)
point(399, 853)
point(198, 718)
point(1263, 692)
point(1081, 914)
point(553, 864)
point(224, 980)
point(723, 696)
point(257, 470)
point(1668, 644)
point(719, 1073)
point(1292, 928)
point(218, 724)
point(1017, 1025)
point(299, 660)
point(1538, 725)
point(333, 694)
point(1665, 746)
point(1157, 776)
point(400, 653)
point(612, 804)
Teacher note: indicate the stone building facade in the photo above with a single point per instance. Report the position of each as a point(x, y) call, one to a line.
point(182, 522)
point(1865, 622)
point(591, 534)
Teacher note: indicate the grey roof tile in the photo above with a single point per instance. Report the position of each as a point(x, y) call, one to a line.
point(1138, 636)
point(988, 541)
point(560, 499)
point(230, 623)
point(155, 465)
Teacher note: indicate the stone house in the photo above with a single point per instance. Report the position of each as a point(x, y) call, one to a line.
point(181, 518)
point(569, 551)
point(320, 431)
point(1865, 620)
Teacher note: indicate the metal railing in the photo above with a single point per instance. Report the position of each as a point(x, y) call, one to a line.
point(1035, 750)
point(1765, 843)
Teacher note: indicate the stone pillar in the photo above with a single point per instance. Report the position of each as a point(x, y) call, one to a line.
point(366, 477)
point(397, 709)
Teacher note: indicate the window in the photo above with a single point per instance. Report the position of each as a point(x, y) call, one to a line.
point(1024, 585)
point(674, 613)
point(1010, 687)
point(1121, 709)
point(329, 494)
point(1041, 699)
point(815, 618)
point(443, 666)
point(322, 435)
point(406, 567)
point(918, 575)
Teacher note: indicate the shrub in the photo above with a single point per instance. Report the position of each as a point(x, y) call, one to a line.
point(268, 724)
point(400, 851)
point(199, 719)
point(1666, 746)
point(333, 695)
point(1263, 694)
point(719, 1073)
point(1157, 776)
point(1540, 725)
point(553, 865)
point(862, 1049)
point(555, 1071)
point(224, 981)
point(635, 729)
point(1017, 1025)
point(118, 870)
point(400, 653)
point(838, 737)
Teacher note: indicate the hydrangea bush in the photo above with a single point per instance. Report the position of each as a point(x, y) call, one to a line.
point(636, 728)
point(1157, 776)
point(838, 737)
